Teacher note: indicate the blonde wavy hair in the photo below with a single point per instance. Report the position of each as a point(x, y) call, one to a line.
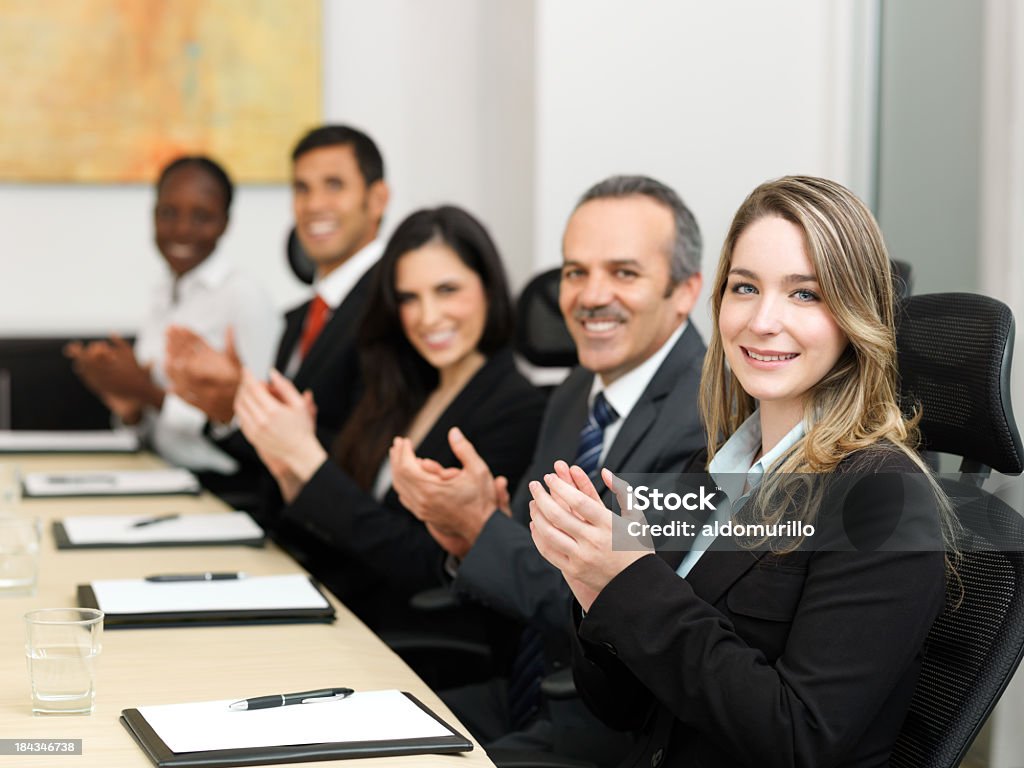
point(856, 404)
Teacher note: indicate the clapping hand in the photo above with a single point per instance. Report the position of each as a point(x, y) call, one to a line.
point(280, 422)
point(454, 502)
point(201, 375)
point(110, 370)
point(577, 534)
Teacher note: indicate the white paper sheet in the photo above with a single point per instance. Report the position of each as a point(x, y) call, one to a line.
point(132, 596)
point(142, 482)
point(363, 716)
point(28, 441)
point(119, 529)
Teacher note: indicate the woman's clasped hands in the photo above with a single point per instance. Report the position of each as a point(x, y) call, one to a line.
point(576, 533)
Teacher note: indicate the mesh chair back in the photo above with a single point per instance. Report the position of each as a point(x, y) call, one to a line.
point(954, 357)
point(541, 334)
point(976, 643)
point(955, 352)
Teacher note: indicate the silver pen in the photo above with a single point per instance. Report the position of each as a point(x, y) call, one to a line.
point(155, 520)
point(284, 699)
point(208, 576)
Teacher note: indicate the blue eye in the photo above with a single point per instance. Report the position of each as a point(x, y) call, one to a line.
point(743, 289)
point(805, 295)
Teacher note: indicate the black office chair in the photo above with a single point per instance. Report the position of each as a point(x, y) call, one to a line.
point(955, 352)
point(442, 655)
point(541, 335)
point(39, 388)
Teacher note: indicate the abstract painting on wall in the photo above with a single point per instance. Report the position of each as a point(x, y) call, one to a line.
point(106, 91)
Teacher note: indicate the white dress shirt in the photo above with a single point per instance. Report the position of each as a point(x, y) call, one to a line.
point(624, 393)
point(336, 285)
point(734, 471)
point(207, 299)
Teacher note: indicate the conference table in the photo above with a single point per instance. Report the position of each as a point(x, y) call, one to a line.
point(139, 667)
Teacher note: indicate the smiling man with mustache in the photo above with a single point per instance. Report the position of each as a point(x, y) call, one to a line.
point(630, 278)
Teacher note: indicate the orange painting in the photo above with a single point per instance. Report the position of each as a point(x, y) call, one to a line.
point(109, 90)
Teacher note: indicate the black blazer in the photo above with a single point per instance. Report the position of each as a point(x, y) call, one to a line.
point(374, 556)
point(755, 659)
point(331, 369)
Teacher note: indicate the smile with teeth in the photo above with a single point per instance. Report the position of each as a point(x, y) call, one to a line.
point(600, 325)
point(772, 358)
point(179, 251)
point(439, 338)
point(320, 228)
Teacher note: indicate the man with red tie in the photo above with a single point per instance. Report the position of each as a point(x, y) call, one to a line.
point(338, 196)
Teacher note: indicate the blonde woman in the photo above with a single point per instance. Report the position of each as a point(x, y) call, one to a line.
point(804, 653)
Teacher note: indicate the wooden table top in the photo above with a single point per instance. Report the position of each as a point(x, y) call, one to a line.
point(163, 666)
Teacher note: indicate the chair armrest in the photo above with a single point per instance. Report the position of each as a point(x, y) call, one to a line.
point(424, 642)
point(559, 685)
point(442, 661)
point(434, 599)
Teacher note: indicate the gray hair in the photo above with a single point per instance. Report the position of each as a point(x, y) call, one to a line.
point(684, 257)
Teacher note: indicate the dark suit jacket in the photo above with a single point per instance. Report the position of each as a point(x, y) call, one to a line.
point(330, 371)
point(755, 659)
point(504, 570)
point(381, 554)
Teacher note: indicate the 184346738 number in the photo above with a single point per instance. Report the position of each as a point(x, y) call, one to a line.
point(40, 746)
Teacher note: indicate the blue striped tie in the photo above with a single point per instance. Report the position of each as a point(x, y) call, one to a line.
point(528, 665)
point(592, 435)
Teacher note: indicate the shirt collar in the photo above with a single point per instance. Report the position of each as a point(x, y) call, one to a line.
point(624, 393)
point(336, 285)
point(209, 274)
point(733, 465)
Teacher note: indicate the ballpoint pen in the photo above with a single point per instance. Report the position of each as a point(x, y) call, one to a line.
point(155, 520)
point(208, 576)
point(284, 699)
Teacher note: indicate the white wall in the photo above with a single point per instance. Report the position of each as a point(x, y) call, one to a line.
point(80, 259)
point(510, 108)
point(711, 98)
point(446, 89)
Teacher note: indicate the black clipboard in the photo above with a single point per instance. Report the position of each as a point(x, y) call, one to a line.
point(63, 541)
point(87, 599)
point(162, 757)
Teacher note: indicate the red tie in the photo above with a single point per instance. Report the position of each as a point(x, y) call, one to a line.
point(316, 318)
